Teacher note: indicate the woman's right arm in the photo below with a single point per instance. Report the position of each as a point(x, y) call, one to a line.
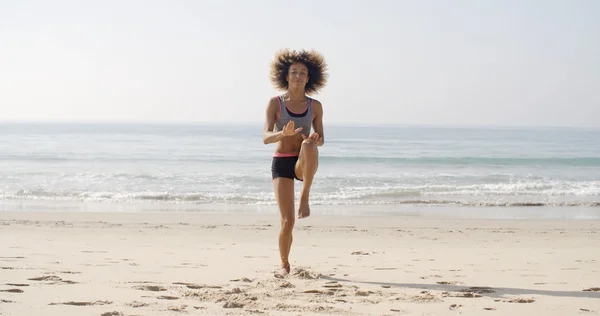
point(268, 135)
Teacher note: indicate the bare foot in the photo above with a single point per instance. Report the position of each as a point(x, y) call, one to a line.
point(283, 272)
point(303, 208)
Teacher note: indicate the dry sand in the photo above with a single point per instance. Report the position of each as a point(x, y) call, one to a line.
point(197, 264)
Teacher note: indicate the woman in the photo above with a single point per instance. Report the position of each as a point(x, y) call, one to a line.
point(288, 122)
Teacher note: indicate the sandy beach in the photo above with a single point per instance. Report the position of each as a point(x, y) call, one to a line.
point(54, 263)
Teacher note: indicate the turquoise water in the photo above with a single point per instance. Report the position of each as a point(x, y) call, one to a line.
point(229, 165)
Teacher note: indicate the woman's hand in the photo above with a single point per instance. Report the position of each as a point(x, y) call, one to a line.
point(288, 129)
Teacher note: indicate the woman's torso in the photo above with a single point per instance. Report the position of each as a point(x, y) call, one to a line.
point(302, 115)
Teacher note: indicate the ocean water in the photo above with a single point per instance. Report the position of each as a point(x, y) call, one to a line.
point(210, 164)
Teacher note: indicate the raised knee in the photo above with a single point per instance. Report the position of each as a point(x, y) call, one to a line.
point(309, 145)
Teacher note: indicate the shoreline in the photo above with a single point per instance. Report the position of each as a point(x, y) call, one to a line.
point(432, 215)
point(385, 210)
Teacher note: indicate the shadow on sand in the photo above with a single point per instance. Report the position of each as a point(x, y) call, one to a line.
point(496, 292)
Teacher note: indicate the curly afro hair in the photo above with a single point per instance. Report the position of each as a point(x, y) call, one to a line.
point(314, 62)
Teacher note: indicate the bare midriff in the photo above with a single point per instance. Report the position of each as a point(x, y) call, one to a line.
point(289, 146)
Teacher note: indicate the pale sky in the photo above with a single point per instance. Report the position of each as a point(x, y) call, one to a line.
point(500, 62)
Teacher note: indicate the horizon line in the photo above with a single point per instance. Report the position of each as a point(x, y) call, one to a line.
point(260, 123)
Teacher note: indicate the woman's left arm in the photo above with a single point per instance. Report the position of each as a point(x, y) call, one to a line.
point(318, 122)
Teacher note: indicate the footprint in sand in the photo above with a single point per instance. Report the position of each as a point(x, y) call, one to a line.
point(45, 278)
point(465, 295)
point(447, 282)
point(233, 305)
point(237, 290)
point(312, 292)
point(242, 279)
point(198, 286)
point(18, 257)
point(254, 311)
point(517, 300)
point(305, 274)
point(319, 292)
point(153, 288)
point(592, 289)
point(478, 290)
point(115, 313)
point(81, 303)
point(425, 297)
point(12, 291)
point(136, 304)
point(455, 307)
point(332, 285)
point(180, 308)
point(54, 278)
point(67, 272)
point(285, 285)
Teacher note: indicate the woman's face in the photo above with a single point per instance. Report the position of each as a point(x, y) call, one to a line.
point(297, 75)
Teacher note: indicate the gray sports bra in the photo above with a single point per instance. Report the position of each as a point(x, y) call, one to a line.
point(303, 119)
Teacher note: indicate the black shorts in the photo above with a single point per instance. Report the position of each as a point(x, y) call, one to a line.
point(284, 167)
